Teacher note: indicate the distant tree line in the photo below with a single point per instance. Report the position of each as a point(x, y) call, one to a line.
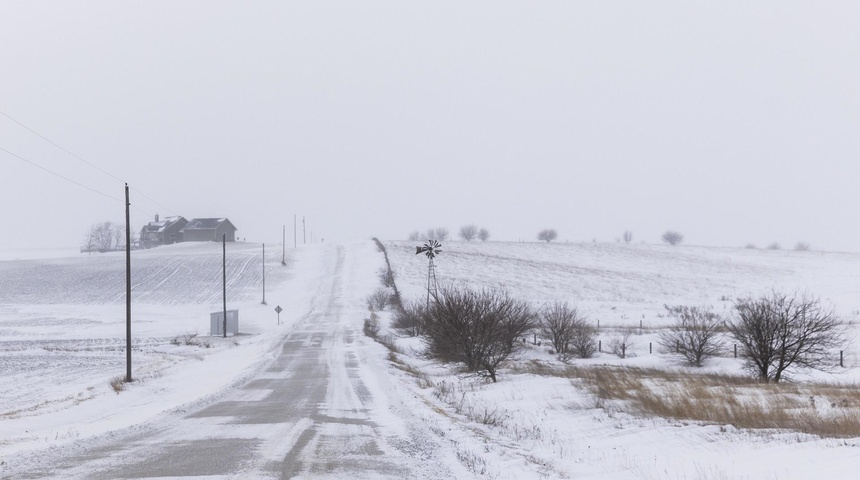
point(440, 234)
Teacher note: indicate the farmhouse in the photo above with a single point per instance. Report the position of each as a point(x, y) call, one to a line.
point(208, 230)
point(162, 232)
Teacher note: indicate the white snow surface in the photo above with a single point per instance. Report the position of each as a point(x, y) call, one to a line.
point(62, 340)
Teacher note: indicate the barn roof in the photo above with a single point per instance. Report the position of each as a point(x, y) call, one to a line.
point(162, 224)
point(206, 223)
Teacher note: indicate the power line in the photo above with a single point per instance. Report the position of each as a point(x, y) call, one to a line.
point(169, 210)
point(148, 214)
point(61, 148)
point(58, 175)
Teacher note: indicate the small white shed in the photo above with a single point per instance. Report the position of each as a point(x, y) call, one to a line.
point(216, 322)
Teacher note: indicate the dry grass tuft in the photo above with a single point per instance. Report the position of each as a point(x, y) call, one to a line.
point(825, 410)
point(118, 383)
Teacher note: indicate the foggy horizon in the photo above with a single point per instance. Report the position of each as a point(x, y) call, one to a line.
point(732, 124)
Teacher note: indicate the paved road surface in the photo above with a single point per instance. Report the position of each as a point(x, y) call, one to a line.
point(307, 415)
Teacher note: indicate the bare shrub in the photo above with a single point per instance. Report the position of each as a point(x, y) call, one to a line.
point(801, 247)
point(584, 341)
point(468, 232)
point(695, 336)
point(750, 246)
point(386, 277)
point(672, 237)
point(415, 236)
point(620, 344)
point(189, 339)
point(567, 331)
point(627, 236)
point(477, 328)
point(409, 318)
point(483, 234)
point(774, 246)
point(779, 332)
point(117, 383)
point(371, 325)
point(556, 325)
point(378, 299)
point(547, 235)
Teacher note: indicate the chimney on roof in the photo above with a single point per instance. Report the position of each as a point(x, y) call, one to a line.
point(156, 218)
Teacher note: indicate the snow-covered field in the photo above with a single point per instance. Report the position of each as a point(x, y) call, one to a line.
point(62, 330)
point(62, 334)
point(537, 426)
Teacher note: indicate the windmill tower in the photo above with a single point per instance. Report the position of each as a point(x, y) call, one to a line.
point(431, 249)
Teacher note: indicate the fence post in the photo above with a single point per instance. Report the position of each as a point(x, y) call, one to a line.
point(598, 324)
point(600, 345)
point(840, 359)
point(649, 347)
point(736, 350)
point(623, 351)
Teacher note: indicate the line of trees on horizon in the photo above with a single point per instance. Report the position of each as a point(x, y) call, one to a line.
point(471, 232)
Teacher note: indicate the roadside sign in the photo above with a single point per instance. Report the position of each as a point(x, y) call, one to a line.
point(279, 310)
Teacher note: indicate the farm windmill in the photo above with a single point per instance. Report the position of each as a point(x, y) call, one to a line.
point(431, 249)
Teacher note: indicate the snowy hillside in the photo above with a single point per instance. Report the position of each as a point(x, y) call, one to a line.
point(644, 416)
point(187, 273)
point(619, 284)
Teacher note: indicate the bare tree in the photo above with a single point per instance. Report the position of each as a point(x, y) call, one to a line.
point(780, 332)
point(695, 336)
point(774, 246)
point(672, 237)
point(438, 233)
point(627, 236)
point(415, 236)
point(484, 234)
point(89, 242)
point(477, 328)
point(468, 232)
point(547, 235)
point(104, 236)
point(118, 236)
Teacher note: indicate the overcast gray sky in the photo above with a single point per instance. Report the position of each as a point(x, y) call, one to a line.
point(732, 122)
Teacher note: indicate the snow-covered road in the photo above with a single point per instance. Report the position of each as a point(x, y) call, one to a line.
point(320, 408)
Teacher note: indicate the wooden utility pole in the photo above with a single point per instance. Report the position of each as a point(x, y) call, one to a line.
point(304, 232)
point(264, 274)
point(127, 288)
point(295, 232)
point(224, 279)
point(284, 247)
